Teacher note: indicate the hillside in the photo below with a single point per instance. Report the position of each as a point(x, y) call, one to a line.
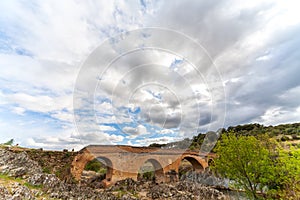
point(287, 134)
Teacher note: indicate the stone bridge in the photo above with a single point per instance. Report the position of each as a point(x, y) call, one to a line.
point(125, 161)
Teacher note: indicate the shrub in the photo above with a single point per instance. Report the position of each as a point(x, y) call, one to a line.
point(95, 166)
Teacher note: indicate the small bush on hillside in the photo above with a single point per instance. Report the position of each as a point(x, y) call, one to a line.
point(9, 143)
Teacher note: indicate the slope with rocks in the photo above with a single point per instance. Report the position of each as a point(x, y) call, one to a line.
point(51, 162)
point(23, 178)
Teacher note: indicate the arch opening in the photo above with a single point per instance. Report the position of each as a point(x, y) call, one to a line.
point(109, 167)
point(189, 164)
point(97, 170)
point(151, 170)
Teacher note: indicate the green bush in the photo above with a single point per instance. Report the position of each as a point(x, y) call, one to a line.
point(296, 137)
point(285, 138)
point(47, 170)
point(148, 175)
point(10, 142)
point(95, 166)
point(258, 163)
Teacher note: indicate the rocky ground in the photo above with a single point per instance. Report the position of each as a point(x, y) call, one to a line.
point(23, 178)
point(207, 179)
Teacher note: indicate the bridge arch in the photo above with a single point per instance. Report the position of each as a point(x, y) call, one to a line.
point(158, 169)
point(82, 159)
point(198, 164)
point(108, 163)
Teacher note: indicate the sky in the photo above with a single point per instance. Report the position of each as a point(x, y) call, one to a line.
point(74, 73)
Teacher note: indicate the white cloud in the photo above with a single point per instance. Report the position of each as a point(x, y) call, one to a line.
point(129, 130)
point(33, 103)
point(47, 42)
point(278, 115)
point(166, 131)
point(135, 132)
point(254, 44)
point(63, 116)
point(158, 140)
point(107, 128)
point(18, 110)
point(69, 141)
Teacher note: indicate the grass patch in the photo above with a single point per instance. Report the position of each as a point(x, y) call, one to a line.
point(120, 193)
point(8, 182)
point(30, 186)
point(47, 170)
point(6, 177)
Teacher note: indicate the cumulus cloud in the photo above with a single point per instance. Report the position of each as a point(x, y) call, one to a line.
point(251, 44)
point(158, 140)
point(133, 132)
point(249, 52)
point(72, 141)
point(42, 47)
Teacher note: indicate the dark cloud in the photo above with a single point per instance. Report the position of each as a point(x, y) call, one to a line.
point(207, 118)
point(217, 25)
point(259, 62)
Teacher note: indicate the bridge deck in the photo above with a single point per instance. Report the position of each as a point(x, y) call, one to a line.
point(97, 149)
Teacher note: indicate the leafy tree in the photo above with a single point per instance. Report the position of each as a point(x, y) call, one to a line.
point(10, 142)
point(157, 145)
point(247, 161)
point(289, 173)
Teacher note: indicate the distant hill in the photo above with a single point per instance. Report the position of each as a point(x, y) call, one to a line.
point(283, 133)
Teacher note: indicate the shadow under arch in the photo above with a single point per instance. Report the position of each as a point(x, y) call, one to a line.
point(159, 174)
